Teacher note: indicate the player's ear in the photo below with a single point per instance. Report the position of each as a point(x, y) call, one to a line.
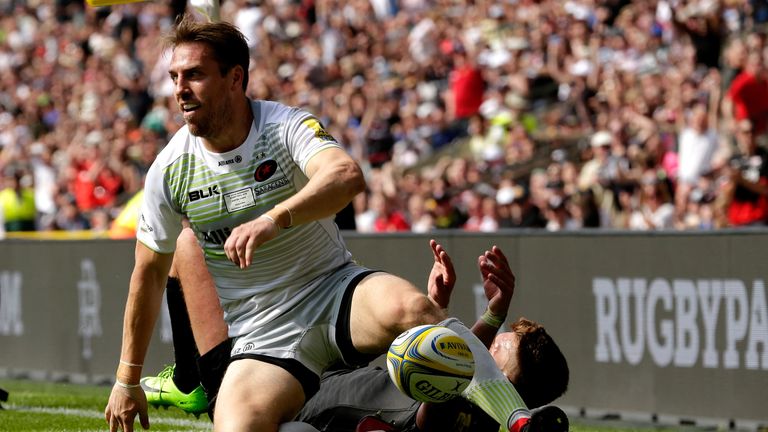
point(237, 77)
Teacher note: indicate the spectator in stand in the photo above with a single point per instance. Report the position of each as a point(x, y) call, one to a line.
point(17, 200)
point(388, 217)
point(482, 212)
point(746, 190)
point(44, 179)
point(419, 218)
point(697, 143)
point(654, 209)
point(747, 98)
point(465, 84)
point(506, 194)
point(526, 214)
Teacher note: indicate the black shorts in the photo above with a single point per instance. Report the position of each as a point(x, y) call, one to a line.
point(346, 396)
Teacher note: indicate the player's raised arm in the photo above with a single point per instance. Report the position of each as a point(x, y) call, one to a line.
point(499, 287)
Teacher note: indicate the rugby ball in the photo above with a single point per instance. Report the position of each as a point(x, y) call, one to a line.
point(430, 363)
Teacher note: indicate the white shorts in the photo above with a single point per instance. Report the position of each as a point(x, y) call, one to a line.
point(314, 336)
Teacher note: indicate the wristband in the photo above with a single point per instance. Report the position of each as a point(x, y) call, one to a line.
point(271, 219)
point(492, 319)
point(127, 386)
point(290, 215)
point(130, 364)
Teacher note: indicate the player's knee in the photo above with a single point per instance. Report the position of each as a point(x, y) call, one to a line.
point(186, 239)
point(411, 310)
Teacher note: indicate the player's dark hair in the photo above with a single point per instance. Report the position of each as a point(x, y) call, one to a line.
point(543, 371)
point(228, 44)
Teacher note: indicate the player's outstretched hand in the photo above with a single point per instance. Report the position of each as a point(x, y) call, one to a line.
point(123, 406)
point(442, 278)
point(548, 419)
point(498, 280)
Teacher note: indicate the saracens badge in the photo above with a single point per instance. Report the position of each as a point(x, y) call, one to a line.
point(266, 170)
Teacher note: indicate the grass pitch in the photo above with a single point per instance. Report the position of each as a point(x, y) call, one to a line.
point(49, 407)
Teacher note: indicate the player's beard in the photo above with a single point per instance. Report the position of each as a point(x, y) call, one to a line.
point(212, 125)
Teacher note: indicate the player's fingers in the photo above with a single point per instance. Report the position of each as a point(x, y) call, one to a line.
point(144, 418)
point(110, 420)
point(499, 253)
point(128, 423)
point(242, 244)
point(484, 265)
point(496, 280)
point(450, 271)
point(499, 261)
point(250, 245)
point(434, 246)
point(230, 248)
point(503, 272)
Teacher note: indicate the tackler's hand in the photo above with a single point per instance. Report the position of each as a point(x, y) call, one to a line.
point(498, 280)
point(442, 278)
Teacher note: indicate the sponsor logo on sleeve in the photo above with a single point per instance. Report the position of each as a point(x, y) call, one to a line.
point(320, 133)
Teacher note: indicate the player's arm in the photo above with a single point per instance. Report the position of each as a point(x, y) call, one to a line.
point(141, 310)
point(334, 178)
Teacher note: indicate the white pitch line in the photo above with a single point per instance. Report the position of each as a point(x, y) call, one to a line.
point(197, 424)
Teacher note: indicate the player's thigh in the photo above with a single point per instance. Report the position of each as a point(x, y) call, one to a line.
point(383, 306)
point(257, 396)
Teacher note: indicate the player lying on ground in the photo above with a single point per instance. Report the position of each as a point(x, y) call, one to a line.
point(527, 355)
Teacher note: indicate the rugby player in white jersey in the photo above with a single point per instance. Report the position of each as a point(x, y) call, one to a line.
point(259, 183)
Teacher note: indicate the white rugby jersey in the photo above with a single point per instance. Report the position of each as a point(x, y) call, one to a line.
point(219, 191)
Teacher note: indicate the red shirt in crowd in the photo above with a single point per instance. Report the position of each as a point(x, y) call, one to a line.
point(92, 191)
point(467, 85)
point(394, 221)
point(749, 95)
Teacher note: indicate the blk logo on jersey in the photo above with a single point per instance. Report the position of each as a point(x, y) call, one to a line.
point(204, 193)
point(218, 237)
point(266, 170)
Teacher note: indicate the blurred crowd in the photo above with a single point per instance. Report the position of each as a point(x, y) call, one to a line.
point(474, 115)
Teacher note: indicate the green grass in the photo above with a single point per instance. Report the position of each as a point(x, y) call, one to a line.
point(46, 406)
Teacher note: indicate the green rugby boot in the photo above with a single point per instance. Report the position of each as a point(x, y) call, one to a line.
point(161, 391)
